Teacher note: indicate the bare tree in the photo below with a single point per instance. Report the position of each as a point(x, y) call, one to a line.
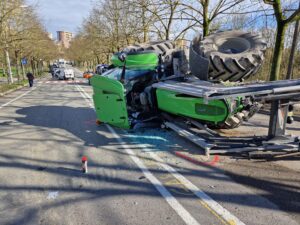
point(284, 16)
point(205, 12)
point(21, 34)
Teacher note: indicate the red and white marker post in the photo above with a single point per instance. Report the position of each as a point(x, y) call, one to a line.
point(84, 166)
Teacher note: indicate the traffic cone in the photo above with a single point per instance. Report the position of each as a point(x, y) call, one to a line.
point(84, 167)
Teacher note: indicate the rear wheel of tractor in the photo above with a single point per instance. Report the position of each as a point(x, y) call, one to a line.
point(163, 48)
point(160, 47)
point(233, 55)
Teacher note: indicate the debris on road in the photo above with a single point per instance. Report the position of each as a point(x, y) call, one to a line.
point(84, 167)
point(142, 177)
point(52, 195)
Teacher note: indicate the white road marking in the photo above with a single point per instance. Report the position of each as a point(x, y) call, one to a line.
point(15, 99)
point(171, 200)
point(216, 207)
point(225, 214)
point(179, 209)
point(84, 97)
point(52, 195)
point(86, 94)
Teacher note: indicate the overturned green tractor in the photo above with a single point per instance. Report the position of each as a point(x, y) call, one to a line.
point(151, 81)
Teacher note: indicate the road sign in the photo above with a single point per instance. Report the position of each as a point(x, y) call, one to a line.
point(24, 61)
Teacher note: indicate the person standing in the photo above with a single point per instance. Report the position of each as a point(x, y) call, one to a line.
point(30, 78)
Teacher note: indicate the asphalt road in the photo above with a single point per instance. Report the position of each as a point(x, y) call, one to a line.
point(133, 178)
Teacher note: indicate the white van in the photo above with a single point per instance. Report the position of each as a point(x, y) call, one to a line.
point(64, 74)
point(69, 74)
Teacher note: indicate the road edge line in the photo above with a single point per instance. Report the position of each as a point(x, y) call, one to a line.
point(17, 98)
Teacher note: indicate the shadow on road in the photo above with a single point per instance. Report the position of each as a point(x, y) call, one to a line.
point(80, 122)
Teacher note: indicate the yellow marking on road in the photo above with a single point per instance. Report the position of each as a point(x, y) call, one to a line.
point(164, 192)
point(169, 180)
point(216, 214)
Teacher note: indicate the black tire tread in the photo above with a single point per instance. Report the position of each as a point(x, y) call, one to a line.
point(233, 67)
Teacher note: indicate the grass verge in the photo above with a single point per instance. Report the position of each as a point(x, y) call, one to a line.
point(7, 87)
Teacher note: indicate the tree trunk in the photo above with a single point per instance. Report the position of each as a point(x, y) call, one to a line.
point(9, 73)
point(293, 51)
point(278, 50)
point(23, 71)
point(206, 21)
point(17, 64)
point(145, 25)
point(38, 66)
point(33, 67)
point(167, 34)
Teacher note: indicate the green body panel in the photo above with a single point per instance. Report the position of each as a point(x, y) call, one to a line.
point(144, 61)
point(214, 111)
point(109, 101)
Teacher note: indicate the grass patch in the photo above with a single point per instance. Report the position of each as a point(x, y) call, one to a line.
point(13, 70)
point(7, 87)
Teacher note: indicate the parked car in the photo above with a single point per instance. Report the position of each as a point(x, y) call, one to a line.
point(58, 74)
point(88, 75)
point(52, 69)
point(64, 74)
point(101, 68)
point(69, 74)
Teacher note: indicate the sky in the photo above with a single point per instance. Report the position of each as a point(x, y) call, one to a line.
point(64, 15)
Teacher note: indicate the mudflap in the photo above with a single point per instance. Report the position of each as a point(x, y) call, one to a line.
point(110, 102)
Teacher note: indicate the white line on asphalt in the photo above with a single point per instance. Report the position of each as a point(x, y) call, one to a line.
point(86, 94)
point(82, 92)
point(15, 99)
point(226, 215)
point(179, 209)
point(216, 207)
point(172, 201)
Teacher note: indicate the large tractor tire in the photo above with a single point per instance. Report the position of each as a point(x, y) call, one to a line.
point(233, 55)
point(168, 52)
point(164, 48)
